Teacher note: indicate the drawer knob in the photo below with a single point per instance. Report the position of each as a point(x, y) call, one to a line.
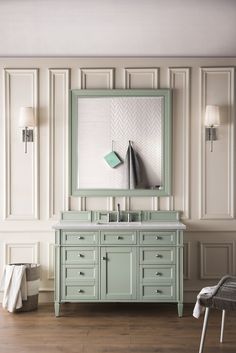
point(80, 291)
point(81, 273)
point(80, 255)
point(158, 237)
point(158, 273)
point(80, 237)
point(119, 237)
point(158, 255)
point(158, 291)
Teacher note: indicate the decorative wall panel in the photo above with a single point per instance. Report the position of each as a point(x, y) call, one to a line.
point(58, 140)
point(217, 171)
point(179, 81)
point(186, 264)
point(96, 78)
point(21, 253)
point(21, 169)
point(217, 259)
point(50, 261)
point(203, 182)
point(101, 78)
point(141, 78)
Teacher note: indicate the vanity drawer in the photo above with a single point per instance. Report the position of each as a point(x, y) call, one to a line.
point(158, 238)
point(80, 292)
point(72, 255)
point(79, 238)
point(71, 273)
point(160, 273)
point(119, 238)
point(162, 255)
point(158, 292)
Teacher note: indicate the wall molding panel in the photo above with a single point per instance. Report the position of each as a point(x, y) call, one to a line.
point(179, 81)
point(26, 252)
point(50, 261)
point(224, 252)
point(35, 186)
point(59, 84)
point(96, 78)
point(21, 170)
point(141, 78)
point(102, 78)
point(217, 198)
point(186, 264)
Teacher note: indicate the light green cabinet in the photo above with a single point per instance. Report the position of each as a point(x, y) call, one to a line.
point(99, 263)
point(118, 273)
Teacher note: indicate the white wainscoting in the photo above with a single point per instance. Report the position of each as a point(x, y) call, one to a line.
point(35, 185)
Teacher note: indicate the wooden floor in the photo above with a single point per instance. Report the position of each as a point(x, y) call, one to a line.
point(112, 328)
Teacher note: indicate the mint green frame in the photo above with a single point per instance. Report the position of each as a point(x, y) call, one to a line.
point(166, 147)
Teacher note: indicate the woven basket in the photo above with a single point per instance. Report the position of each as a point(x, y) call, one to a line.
point(32, 279)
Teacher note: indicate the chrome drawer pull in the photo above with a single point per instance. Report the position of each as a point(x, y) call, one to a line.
point(158, 237)
point(158, 255)
point(158, 291)
point(119, 237)
point(158, 273)
point(80, 237)
point(80, 291)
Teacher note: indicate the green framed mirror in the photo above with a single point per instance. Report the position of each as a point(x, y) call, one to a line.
point(120, 142)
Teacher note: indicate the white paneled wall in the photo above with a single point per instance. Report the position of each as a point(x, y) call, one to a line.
point(34, 186)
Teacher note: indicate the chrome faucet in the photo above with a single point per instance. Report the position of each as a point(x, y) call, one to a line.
point(118, 213)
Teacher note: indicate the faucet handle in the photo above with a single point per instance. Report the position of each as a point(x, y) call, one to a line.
point(129, 218)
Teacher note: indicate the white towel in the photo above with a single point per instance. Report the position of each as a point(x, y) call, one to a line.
point(14, 286)
point(198, 308)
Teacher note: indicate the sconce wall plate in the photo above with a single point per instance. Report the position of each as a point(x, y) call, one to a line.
point(27, 120)
point(211, 134)
point(27, 135)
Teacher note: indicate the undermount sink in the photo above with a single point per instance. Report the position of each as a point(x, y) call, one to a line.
point(118, 224)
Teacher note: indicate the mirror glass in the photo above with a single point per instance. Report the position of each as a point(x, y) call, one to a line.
point(120, 142)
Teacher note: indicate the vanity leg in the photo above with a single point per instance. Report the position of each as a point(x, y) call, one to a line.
point(57, 309)
point(180, 309)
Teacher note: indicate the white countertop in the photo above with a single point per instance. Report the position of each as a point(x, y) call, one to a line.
point(70, 225)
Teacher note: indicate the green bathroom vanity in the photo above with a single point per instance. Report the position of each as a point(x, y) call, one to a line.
point(100, 260)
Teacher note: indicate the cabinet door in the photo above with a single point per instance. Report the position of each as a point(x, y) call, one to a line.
point(118, 273)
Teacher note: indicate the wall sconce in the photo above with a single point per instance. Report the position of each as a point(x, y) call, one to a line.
point(212, 119)
point(27, 120)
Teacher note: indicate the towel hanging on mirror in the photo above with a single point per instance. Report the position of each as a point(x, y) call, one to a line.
point(132, 170)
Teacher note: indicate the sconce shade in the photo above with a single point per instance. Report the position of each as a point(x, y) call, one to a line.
point(26, 117)
point(212, 115)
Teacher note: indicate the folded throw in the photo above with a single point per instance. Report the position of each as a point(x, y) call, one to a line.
point(198, 308)
point(14, 286)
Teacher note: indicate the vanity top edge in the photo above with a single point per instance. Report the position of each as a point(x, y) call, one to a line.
point(65, 225)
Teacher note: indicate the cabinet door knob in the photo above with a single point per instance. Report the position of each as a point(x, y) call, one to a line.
point(104, 258)
point(80, 237)
point(81, 273)
point(158, 273)
point(158, 291)
point(80, 255)
point(158, 255)
point(119, 237)
point(80, 291)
